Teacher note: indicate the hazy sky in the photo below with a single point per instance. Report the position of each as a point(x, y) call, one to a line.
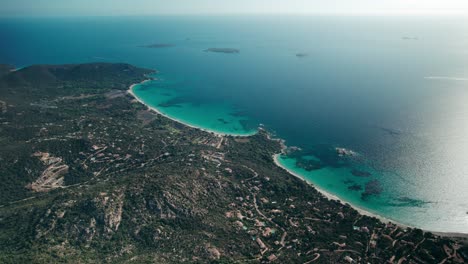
point(148, 7)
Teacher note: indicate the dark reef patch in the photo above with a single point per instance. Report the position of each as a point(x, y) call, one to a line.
point(308, 165)
point(390, 131)
point(355, 187)
point(373, 188)
point(359, 173)
point(168, 104)
point(348, 181)
point(223, 121)
point(238, 113)
point(408, 202)
point(247, 124)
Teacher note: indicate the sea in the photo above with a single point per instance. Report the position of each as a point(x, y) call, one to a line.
point(392, 91)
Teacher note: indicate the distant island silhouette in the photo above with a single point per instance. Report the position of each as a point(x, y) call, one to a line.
point(158, 45)
point(223, 50)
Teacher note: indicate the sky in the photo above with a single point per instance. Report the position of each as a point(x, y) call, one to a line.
point(154, 7)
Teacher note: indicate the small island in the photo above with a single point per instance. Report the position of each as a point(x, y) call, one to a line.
point(343, 152)
point(301, 55)
point(409, 38)
point(158, 46)
point(223, 50)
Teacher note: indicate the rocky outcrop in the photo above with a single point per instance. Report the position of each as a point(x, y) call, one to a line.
point(3, 107)
point(112, 206)
point(212, 252)
point(343, 152)
point(53, 176)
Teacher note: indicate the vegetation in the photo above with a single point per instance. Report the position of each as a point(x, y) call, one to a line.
point(89, 175)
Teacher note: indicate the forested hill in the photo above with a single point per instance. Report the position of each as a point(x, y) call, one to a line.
point(89, 175)
point(41, 81)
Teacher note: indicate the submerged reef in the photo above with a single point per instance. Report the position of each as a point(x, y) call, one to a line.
point(372, 188)
point(359, 173)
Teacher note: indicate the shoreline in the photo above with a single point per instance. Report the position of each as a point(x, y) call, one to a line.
point(362, 211)
point(218, 134)
point(276, 162)
point(331, 196)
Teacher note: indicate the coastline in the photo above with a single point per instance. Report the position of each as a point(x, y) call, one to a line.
point(276, 162)
point(364, 211)
point(334, 197)
point(218, 134)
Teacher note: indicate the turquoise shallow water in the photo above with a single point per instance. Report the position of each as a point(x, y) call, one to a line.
point(388, 204)
point(392, 89)
point(216, 117)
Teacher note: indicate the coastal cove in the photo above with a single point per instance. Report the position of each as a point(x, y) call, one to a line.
point(279, 161)
point(276, 158)
point(217, 120)
point(282, 161)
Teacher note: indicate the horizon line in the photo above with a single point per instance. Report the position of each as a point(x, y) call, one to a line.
point(363, 14)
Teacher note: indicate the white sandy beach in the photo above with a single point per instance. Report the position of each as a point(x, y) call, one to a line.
point(130, 91)
point(363, 211)
point(333, 197)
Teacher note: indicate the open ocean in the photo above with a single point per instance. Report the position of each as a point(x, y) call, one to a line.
point(392, 89)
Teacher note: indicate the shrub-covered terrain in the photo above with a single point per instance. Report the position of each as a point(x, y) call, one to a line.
point(89, 175)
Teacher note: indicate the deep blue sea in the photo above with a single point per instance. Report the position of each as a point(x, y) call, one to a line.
point(392, 89)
